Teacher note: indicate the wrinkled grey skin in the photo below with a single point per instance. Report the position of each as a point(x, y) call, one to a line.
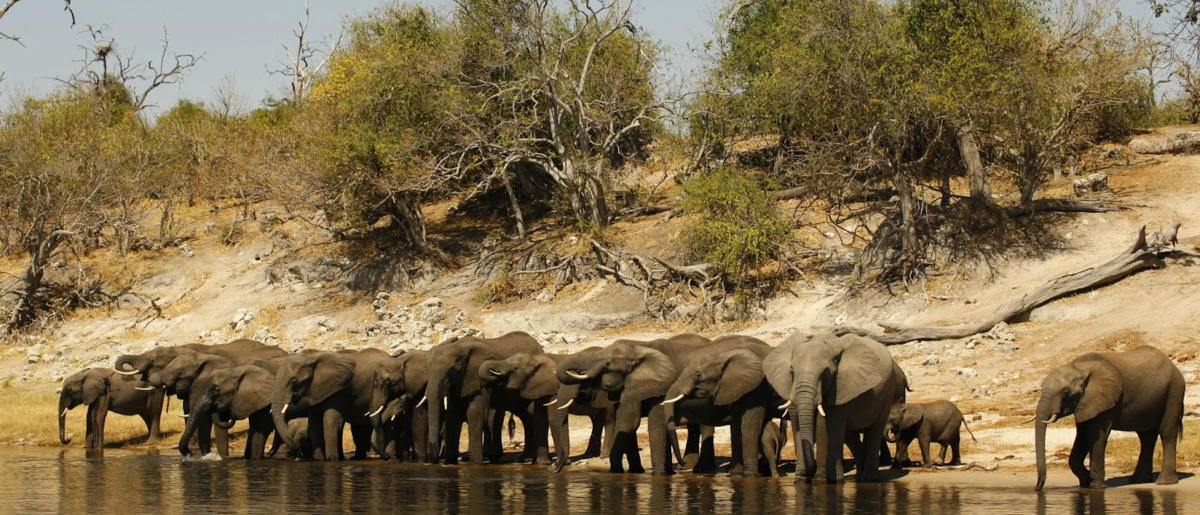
point(186, 377)
point(102, 390)
point(855, 380)
point(575, 399)
point(454, 381)
point(318, 383)
point(929, 422)
point(232, 394)
point(523, 384)
point(724, 384)
point(141, 366)
point(1139, 390)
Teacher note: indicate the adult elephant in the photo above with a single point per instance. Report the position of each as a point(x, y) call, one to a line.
point(187, 377)
point(102, 390)
point(454, 380)
point(727, 386)
point(525, 384)
point(854, 381)
point(229, 395)
point(591, 402)
point(1139, 390)
point(402, 380)
point(319, 383)
point(143, 365)
point(638, 376)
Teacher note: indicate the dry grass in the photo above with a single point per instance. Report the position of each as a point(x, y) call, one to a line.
point(1122, 453)
point(29, 413)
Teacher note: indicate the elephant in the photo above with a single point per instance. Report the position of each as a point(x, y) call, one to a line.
point(724, 384)
point(401, 379)
point(298, 431)
point(186, 377)
point(528, 385)
point(576, 399)
point(144, 364)
point(853, 381)
point(1138, 390)
point(454, 380)
point(774, 438)
point(637, 377)
point(102, 390)
point(320, 384)
point(936, 421)
point(231, 394)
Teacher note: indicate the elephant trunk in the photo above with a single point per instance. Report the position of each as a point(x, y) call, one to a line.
point(127, 360)
point(1045, 410)
point(199, 411)
point(806, 397)
point(63, 406)
point(890, 436)
point(433, 396)
point(378, 436)
point(223, 424)
point(279, 400)
point(672, 435)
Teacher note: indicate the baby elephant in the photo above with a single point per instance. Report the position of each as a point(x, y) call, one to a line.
point(935, 421)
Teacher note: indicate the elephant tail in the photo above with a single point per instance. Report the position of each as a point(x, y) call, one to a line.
point(969, 430)
point(512, 428)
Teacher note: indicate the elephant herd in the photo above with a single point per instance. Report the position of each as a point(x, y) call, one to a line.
point(836, 391)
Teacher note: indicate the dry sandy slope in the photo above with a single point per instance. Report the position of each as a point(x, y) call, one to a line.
point(203, 294)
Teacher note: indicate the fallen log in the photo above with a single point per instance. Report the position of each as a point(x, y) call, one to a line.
point(1060, 205)
point(1144, 253)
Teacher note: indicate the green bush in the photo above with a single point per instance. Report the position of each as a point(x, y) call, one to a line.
point(738, 230)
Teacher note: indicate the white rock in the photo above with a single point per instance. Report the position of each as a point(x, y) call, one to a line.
point(241, 318)
point(931, 360)
point(966, 372)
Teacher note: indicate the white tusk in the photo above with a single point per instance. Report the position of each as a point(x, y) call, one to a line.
point(64, 413)
point(577, 375)
point(145, 389)
point(673, 401)
point(1052, 418)
point(821, 410)
point(393, 419)
point(567, 405)
point(445, 403)
point(284, 410)
point(786, 405)
point(124, 373)
point(551, 403)
point(376, 412)
point(423, 398)
point(181, 416)
point(494, 372)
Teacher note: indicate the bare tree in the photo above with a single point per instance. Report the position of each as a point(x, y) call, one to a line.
point(305, 62)
point(106, 70)
point(9, 5)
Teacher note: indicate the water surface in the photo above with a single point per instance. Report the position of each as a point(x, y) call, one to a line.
point(47, 480)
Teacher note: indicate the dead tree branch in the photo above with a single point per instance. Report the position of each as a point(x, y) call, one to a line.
point(1146, 252)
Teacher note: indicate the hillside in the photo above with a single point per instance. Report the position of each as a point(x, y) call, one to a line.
point(289, 283)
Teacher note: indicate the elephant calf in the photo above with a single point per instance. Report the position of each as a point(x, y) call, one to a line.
point(936, 421)
point(103, 391)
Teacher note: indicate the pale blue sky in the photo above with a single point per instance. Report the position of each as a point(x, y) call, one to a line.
point(239, 38)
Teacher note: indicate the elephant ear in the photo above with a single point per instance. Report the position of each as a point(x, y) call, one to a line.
point(777, 366)
point(651, 378)
point(1101, 391)
point(913, 415)
point(253, 392)
point(865, 364)
point(741, 373)
point(477, 352)
point(94, 387)
point(332, 374)
point(542, 382)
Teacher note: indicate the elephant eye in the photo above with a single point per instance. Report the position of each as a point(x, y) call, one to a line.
point(697, 374)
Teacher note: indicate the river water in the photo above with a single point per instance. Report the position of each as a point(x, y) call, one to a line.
point(46, 480)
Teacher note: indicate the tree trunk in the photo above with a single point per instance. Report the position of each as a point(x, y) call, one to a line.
point(516, 206)
point(39, 254)
point(968, 148)
point(909, 245)
point(407, 213)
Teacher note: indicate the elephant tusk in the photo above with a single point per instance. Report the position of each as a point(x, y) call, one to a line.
point(64, 413)
point(821, 410)
point(576, 375)
point(567, 405)
point(373, 413)
point(673, 401)
point(145, 388)
point(181, 416)
point(284, 410)
point(445, 403)
point(125, 373)
point(423, 399)
point(786, 405)
point(1052, 418)
point(551, 403)
point(393, 419)
point(1031, 419)
point(494, 372)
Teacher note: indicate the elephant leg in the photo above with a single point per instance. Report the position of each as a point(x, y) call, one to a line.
point(361, 434)
point(831, 438)
point(923, 440)
point(1079, 450)
point(477, 414)
point(541, 430)
point(708, 454)
point(1099, 445)
point(1144, 471)
point(332, 424)
point(737, 450)
point(420, 432)
point(101, 418)
point(155, 416)
point(628, 416)
point(259, 430)
point(596, 440)
point(691, 449)
point(493, 444)
point(1170, 443)
point(868, 468)
point(221, 439)
point(751, 429)
point(660, 451)
point(901, 456)
point(454, 419)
